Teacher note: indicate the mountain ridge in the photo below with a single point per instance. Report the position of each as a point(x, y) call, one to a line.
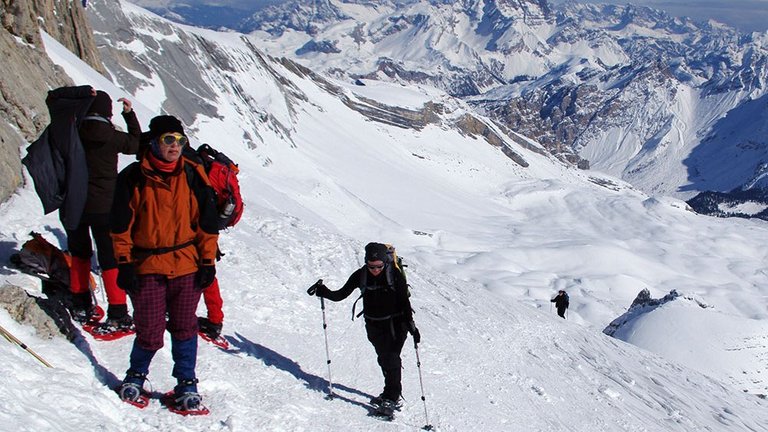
point(576, 78)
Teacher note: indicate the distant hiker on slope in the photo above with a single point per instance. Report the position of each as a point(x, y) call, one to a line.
point(388, 315)
point(165, 233)
point(102, 144)
point(561, 303)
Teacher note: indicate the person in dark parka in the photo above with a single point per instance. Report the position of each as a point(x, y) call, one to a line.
point(387, 311)
point(102, 144)
point(561, 303)
point(56, 159)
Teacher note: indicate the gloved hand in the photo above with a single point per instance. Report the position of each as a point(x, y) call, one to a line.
point(126, 278)
point(411, 326)
point(318, 289)
point(205, 276)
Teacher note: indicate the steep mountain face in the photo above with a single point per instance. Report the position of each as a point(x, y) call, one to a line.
point(311, 16)
point(199, 72)
point(627, 90)
point(644, 115)
point(28, 73)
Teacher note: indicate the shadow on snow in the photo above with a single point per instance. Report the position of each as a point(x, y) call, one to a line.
point(272, 358)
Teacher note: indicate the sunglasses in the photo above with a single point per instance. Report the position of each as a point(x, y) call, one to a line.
point(170, 139)
point(375, 267)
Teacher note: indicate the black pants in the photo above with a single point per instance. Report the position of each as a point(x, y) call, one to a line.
point(388, 338)
point(561, 312)
point(79, 240)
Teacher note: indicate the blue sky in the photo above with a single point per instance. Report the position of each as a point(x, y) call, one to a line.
point(745, 15)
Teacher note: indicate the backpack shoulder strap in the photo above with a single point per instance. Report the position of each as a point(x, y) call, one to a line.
point(130, 178)
point(390, 274)
point(361, 285)
point(204, 194)
point(97, 118)
point(190, 153)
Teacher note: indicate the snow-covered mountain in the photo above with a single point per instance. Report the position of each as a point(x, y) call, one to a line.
point(490, 224)
point(668, 104)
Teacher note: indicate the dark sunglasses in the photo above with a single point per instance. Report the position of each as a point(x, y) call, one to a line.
point(375, 267)
point(169, 139)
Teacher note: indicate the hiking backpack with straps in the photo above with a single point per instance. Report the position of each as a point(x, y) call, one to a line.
point(222, 173)
point(38, 257)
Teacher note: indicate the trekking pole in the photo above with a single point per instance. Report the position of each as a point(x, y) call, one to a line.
point(427, 426)
point(311, 291)
point(11, 338)
point(327, 352)
point(100, 272)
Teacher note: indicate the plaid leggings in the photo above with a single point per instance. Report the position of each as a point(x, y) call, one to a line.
point(158, 294)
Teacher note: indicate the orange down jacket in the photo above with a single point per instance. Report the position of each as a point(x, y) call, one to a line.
point(164, 223)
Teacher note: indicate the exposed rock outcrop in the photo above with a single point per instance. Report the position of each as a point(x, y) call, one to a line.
point(642, 304)
point(473, 126)
point(48, 317)
point(28, 73)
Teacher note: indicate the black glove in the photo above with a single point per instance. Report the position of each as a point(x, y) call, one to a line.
point(126, 278)
point(411, 326)
point(205, 276)
point(318, 289)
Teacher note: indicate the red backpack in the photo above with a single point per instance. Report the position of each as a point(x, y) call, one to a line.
point(222, 173)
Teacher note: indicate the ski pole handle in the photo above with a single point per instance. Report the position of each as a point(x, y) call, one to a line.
point(313, 289)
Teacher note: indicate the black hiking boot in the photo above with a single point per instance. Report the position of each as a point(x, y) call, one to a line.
point(132, 387)
point(82, 309)
point(382, 400)
point(114, 325)
point(83, 315)
point(186, 397)
point(386, 409)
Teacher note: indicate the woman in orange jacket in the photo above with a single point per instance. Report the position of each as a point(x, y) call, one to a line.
point(164, 234)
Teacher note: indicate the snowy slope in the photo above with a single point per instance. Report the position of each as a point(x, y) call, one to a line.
point(487, 243)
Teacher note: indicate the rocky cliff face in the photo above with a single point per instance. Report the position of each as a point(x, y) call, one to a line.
point(28, 73)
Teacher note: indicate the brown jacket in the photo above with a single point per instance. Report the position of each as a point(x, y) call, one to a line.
point(102, 143)
point(165, 224)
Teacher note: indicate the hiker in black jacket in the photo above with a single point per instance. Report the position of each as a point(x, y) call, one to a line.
point(102, 144)
point(561, 303)
point(387, 311)
point(74, 167)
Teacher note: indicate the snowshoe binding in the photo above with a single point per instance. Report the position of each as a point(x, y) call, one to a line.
point(87, 316)
point(112, 328)
point(131, 390)
point(184, 399)
point(385, 408)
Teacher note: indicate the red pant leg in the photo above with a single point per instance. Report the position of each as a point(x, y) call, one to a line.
point(214, 303)
point(79, 274)
point(115, 294)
